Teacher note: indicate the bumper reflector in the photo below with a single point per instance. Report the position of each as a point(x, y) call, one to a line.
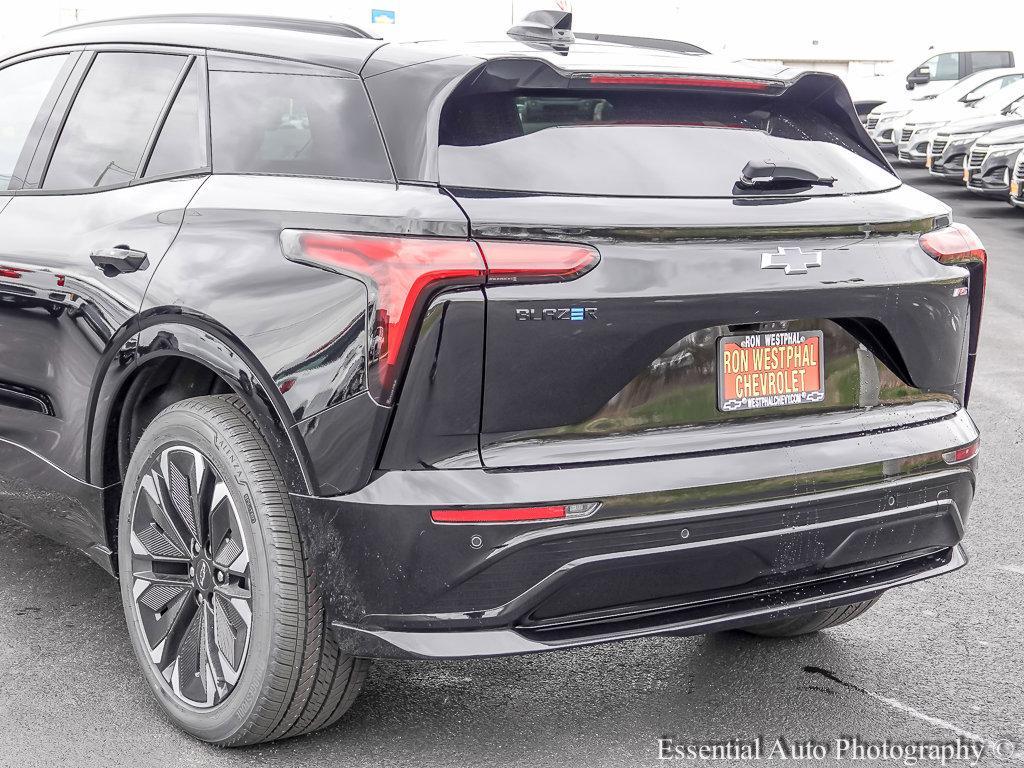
point(514, 514)
point(961, 455)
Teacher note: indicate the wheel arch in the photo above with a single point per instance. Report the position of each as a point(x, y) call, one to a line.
point(191, 344)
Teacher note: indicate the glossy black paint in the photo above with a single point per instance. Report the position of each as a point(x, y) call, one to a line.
point(492, 413)
point(868, 490)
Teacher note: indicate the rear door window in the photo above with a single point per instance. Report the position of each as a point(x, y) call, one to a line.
point(296, 125)
point(641, 143)
point(24, 88)
point(182, 144)
point(111, 120)
point(979, 60)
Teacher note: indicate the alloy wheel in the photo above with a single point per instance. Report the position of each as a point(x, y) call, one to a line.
point(191, 587)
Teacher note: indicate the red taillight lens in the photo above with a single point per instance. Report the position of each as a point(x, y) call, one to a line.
point(955, 244)
point(514, 514)
point(686, 81)
point(509, 262)
point(401, 273)
point(961, 455)
point(958, 245)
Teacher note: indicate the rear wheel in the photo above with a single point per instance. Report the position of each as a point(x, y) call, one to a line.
point(223, 609)
point(811, 622)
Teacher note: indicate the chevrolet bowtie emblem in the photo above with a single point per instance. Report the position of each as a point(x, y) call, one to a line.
point(793, 260)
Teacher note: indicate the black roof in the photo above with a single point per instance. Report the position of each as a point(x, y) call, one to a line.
point(346, 47)
point(330, 44)
point(232, 20)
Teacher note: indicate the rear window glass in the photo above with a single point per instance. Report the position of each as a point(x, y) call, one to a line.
point(642, 143)
point(296, 125)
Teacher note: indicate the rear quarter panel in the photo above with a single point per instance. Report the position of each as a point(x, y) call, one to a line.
point(306, 327)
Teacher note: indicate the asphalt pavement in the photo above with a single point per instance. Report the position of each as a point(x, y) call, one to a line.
point(933, 662)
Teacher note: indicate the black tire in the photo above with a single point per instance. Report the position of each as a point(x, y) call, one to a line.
point(290, 678)
point(811, 622)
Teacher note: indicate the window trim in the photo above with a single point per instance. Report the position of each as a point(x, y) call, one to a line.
point(37, 130)
point(77, 79)
point(204, 115)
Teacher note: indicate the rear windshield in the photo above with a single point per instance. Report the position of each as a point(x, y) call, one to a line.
point(639, 143)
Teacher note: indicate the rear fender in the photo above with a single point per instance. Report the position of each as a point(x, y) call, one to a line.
point(163, 333)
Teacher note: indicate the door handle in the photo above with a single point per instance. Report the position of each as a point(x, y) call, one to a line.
point(118, 260)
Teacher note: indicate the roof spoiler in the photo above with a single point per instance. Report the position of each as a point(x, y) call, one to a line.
point(544, 27)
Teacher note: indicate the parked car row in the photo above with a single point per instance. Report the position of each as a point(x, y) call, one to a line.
point(970, 134)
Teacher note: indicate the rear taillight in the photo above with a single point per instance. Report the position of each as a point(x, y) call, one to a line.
point(955, 244)
point(510, 262)
point(493, 515)
point(958, 245)
point(402, 273)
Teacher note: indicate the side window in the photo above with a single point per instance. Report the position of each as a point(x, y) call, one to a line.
point(182, 142)
point(23, 89)
point(111, 119)
point(980, 60)
point(298, 125)
point(945, 66)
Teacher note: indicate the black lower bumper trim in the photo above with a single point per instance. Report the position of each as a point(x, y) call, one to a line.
point(701, 618)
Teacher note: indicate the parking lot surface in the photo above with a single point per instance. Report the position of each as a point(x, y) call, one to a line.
point(932, 662)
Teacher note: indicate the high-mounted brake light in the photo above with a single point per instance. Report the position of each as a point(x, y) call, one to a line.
point(963, 454)
point(402, 273)
point(685, 81)
point(514, 514)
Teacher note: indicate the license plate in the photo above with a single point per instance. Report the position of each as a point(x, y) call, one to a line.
point(769, 370)
point(1014, 188)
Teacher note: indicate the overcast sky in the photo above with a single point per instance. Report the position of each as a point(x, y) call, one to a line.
point(754, 28)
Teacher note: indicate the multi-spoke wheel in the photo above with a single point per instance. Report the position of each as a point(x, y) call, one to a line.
point(223, 609)
point(190, 576)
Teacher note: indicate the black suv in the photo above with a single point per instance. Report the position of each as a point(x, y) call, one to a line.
point(333, 349)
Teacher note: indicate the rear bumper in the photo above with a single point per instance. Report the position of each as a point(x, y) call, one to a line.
point(679, 546)
point(682, 620)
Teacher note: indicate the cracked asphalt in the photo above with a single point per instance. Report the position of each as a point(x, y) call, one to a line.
point(933, 660)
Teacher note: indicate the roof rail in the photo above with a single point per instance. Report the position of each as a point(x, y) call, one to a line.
point(240, 20)
point(544, 27)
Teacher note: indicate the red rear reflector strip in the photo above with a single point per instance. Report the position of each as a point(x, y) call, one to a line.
point(681, 80)
point(509, 515)
point(515, 514)
point(961, 455)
